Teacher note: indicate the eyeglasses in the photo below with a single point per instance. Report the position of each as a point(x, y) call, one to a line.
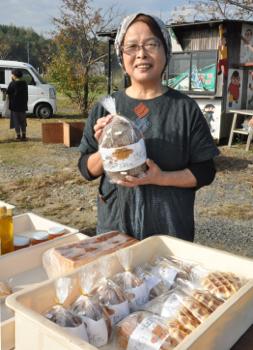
point(149, 46)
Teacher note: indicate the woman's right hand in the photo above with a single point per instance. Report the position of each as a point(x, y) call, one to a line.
point(100, 124)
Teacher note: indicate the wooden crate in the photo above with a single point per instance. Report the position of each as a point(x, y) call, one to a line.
point(52, 132)
point(72, 133)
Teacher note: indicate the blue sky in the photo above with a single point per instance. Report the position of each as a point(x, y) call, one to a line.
point(38, 14)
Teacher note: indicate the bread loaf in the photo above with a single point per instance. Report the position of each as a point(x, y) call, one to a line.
point(142, 329)
point(61, 260)
point(122, 149)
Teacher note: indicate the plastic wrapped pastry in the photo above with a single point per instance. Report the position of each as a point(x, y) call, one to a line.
point(134, 286)
point(143, 330)
point(61, 316)
point(121, 146)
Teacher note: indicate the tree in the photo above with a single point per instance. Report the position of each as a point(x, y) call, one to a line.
point(15, 42)
point(242, 9)
point(215, 9)
point(78, 48)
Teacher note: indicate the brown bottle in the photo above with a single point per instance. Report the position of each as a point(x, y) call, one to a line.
point(6, 230)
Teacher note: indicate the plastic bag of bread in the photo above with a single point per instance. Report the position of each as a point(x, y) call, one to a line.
point(58, 261)
point(154, 283)
point(170, 304)
point(201, 295)
point(121, 146)
point(144, 330)
point(134, 286)
point(88, 308)
point(62, 316)
point(221, 284)
point(111, 296)
point(167, 270)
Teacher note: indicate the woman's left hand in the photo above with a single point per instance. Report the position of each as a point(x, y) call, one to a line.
point(151, 177)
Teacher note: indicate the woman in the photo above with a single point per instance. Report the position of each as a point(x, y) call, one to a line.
point(18, 97)
point(178, 142)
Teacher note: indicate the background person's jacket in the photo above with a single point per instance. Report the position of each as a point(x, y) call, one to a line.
point(18, 96)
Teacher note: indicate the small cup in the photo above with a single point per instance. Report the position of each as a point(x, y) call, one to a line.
point(20, 242)
point(39, 237)
point(56, 231)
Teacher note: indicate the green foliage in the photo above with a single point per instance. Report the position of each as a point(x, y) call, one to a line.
point(78, 50)
point(17, 43)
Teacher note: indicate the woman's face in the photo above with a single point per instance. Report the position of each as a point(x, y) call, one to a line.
point(147, 63)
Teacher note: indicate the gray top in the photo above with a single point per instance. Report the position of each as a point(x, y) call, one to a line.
point(176, 135)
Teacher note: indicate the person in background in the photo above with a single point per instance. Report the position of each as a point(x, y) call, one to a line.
point(179, 145)
point(18, 98)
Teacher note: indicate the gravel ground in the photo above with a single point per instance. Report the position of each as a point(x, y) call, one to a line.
point(223, 210)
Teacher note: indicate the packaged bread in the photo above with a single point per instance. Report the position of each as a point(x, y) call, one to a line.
point(203, 296)
point(154, 283)
point(121, 146)
point(221, 284)
point(143, 330)
point(88, 308)
point(61, 260)
point(167, 270)
point(170, 304)
point(135, 287)
point(63, 317)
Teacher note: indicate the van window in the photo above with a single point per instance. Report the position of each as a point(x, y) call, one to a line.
point(2, 79)
point(42, 81)
point(27, 77)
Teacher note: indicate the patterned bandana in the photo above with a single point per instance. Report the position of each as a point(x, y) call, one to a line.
point(126, 23)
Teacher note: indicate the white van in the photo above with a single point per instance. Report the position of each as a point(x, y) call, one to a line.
point(41, 96)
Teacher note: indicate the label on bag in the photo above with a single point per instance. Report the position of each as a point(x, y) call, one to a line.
point(148, 335)
point(79, 331)
point(140, 296)
point(120, 311)
point(125, 157)
point(97, 331)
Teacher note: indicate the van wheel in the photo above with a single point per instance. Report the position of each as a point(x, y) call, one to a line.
point(44, 111)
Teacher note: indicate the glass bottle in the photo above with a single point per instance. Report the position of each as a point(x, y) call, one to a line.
point(6, 230)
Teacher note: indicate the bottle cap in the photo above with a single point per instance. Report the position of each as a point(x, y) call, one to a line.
point(40, 235)
point(56, 230)
point(21, 241)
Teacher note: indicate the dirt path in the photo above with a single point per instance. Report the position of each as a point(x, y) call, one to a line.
point(45, 179)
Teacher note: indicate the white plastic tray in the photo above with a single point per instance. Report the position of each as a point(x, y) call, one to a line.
point(219, 332)
point(23, 267)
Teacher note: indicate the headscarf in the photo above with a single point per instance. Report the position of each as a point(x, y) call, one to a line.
point(125, 25)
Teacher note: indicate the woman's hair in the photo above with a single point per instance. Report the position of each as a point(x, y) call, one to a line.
point(17, 73)
point(154, 28)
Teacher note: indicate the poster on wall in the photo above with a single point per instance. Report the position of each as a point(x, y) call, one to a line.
point(234, 90)
point(246, 52)
point(211, 110)
point(249, 104)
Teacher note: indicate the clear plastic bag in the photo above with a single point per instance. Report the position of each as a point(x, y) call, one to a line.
point(121, 146)
point(88, 308)
point(168, 270)
point(154, 283)
point(221, 284)
point(63, 317)
point(143, 330)
point(134, 286)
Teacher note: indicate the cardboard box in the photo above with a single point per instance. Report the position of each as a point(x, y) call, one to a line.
point(219, 332)
point(24, 268)
point(72, 133)
point(52, 132)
